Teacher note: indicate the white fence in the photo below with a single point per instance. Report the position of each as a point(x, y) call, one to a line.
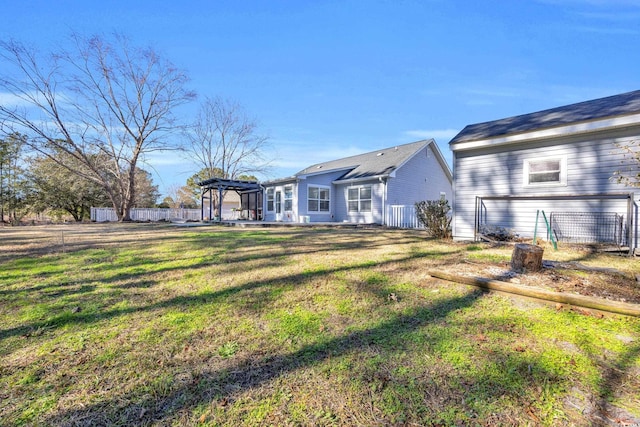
point(147, 214)
point(403, 216)
point(400, 216)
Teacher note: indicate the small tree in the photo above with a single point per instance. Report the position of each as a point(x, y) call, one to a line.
point(147, 193)
point(434, 215)
point(58, 189)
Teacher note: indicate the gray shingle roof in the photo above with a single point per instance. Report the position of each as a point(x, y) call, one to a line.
point(611, 106)
point(368, 165)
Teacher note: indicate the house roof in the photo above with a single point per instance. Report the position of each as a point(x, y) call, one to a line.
point(611, 106)
point(371, 165)
point(368, 165)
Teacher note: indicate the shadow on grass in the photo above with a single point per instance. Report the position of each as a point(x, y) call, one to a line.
point(251, 373)
point(209, 297)
point(613, 375)
point(224, 250)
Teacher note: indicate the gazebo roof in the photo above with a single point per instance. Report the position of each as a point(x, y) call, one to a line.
point(229, 184)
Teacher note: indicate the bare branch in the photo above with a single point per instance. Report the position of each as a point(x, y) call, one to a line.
point(225, 141)
point(103, 103)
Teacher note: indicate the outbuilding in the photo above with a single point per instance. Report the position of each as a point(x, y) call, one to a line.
point(556, 168)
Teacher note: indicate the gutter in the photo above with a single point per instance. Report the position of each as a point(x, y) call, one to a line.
point(561, 131)
point(364, 179)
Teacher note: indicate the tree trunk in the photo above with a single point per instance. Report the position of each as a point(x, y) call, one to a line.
point(526, 258)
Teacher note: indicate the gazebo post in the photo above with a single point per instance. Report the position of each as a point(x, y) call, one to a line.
point(219, 203)
point(210, 205)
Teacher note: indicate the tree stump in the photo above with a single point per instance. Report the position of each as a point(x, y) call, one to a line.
point(526, 258)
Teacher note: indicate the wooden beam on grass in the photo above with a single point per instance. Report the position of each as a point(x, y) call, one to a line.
point(616, 307)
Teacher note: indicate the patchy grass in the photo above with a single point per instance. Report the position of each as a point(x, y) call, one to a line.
point(144, 324)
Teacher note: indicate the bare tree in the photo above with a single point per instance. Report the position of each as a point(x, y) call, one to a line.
point(225, 141)
point(104, 103)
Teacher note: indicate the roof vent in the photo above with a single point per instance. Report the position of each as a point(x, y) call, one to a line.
point(379, 154)
point(319, 167)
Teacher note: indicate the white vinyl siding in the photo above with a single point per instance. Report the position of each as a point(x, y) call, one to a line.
point(421, 178)
point(500, 171)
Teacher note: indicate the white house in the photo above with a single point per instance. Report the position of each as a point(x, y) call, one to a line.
point(561, 161)
point(360, 189)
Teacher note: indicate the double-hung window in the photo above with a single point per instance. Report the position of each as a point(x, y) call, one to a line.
point(359, 199)
point(288, 198)
point(270, 199)
point(318, 199)
point(545, 171)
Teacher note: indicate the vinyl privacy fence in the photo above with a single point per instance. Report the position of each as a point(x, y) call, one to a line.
point(147, 214)
point(399, 216)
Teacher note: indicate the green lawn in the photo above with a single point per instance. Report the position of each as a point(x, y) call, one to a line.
point(145, 324)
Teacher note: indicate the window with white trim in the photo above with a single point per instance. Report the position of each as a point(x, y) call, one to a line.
point(270, 199)
point(318, 199)
point(545, 171)
point(288, 198)
point(359, 199)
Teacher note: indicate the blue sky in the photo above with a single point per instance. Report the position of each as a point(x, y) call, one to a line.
point(328, 79)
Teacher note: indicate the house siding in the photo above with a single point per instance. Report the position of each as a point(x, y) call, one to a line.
point(323, 180)
point(342, 213)
point(421, 178)
point(590, 163)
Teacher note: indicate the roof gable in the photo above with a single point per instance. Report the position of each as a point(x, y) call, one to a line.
point(602, 108)
point(368, 165)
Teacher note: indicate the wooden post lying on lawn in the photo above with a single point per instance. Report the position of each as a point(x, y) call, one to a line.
point(601, 304)
point(526, 258)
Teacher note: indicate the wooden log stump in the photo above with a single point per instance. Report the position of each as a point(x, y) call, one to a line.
point(526, 258)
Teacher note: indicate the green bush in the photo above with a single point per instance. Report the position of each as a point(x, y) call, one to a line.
point(434, 215)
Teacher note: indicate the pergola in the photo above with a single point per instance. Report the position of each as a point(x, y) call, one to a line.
point(250, 193)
